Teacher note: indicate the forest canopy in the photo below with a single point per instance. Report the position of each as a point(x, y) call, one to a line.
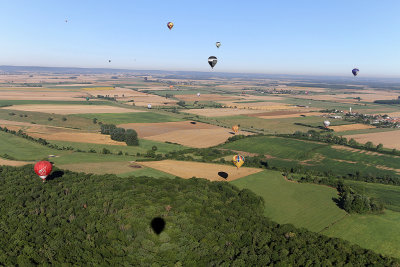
point(85, 219)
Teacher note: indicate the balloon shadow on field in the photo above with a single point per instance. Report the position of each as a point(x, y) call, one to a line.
point(158, 225)
point(55, 175)
point(223, 175)
point(193, 122)
point(231, 132)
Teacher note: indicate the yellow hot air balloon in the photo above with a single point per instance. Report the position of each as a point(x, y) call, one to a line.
point(238, 161)
point(235, 128)
point(170, 25)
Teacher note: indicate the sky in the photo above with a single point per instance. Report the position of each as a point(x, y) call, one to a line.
point(312, 37)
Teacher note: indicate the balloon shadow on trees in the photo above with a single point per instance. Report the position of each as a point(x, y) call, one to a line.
point(223, 175)
point(158, 225)
point(55, 175)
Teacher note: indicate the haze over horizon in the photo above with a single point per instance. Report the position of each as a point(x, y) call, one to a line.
point(287, 37)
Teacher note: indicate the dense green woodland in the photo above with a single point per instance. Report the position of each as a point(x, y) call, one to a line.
point(102, 219)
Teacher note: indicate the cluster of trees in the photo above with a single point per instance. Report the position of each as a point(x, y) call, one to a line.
point(107, 97)
point(388, 102)
point(129, 136)
point(353, 202)
point(86, 219)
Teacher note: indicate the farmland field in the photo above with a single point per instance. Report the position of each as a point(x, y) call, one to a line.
point(380, 233)
point(200, 170)
point(389, 139)
point(303, 205)
point(120, 118)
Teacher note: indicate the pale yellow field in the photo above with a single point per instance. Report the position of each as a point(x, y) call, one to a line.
point(388, 139)
point(71, 109)
point(200, 170)
point(350, 127)
point(270, 106)
point(35, 94)
point(199, 135)
point(205, 97)
point(14, 162)
point(220, 112)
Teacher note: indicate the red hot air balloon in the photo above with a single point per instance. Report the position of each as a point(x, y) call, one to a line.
point(43, 169)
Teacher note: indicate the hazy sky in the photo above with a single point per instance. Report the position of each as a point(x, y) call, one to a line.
point(276, 36)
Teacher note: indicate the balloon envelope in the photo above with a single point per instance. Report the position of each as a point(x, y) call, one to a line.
point(235, 128)
point(149, 106)
point(355, 71)
point(218, 44)
point(212, 61)
point(198, 94)
point(238, 161)
point(170, 25)
point(327, 123)
point(43, 169)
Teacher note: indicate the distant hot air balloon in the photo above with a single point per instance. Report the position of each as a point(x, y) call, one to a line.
point(109, 60)
point(66, 21)
point(327, 123)
point(235, 128)
point(212, 61)
point(238, 161)
point(149, 106)
point(218, 44)
point(171, 87)
point(198, 94)
point(170, 25)
point(87, 98)
point(43, 169)
point(355, 71)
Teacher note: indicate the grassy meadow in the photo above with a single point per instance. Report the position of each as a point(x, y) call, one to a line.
point(303, 205)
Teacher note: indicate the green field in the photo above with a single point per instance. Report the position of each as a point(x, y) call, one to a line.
point(380, 233)
point(144, 146)
point(43, 118)
point(22, 149)
point(388, 194)
point(319, 156)
point(121, 118)
point(269, 126)
point(303, 205)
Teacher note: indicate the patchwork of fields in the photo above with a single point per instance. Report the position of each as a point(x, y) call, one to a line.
point(60, 114)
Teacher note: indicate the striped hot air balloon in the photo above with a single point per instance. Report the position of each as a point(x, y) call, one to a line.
point(238, 161)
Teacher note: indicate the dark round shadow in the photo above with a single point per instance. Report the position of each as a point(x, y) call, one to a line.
point(55, 175)
point(223, 175)
point(158, 225)
point(193, 122)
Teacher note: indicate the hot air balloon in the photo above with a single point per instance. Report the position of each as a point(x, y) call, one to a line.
point(109, 60)
point(198, 94)
point(87, 98)
point(238, 161)
point(171, 87)
point(355, 71)
point(235, 128)
point(327, 123)
point(170, 25)
point(218, 44)
point(149, 106)
point(43, 169)
point(212, 61)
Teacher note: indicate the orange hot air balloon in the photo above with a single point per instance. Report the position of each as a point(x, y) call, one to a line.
point(238, 161)
point(171, 86)
point(235, 128)
point(170, 25)
point(43, 169)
